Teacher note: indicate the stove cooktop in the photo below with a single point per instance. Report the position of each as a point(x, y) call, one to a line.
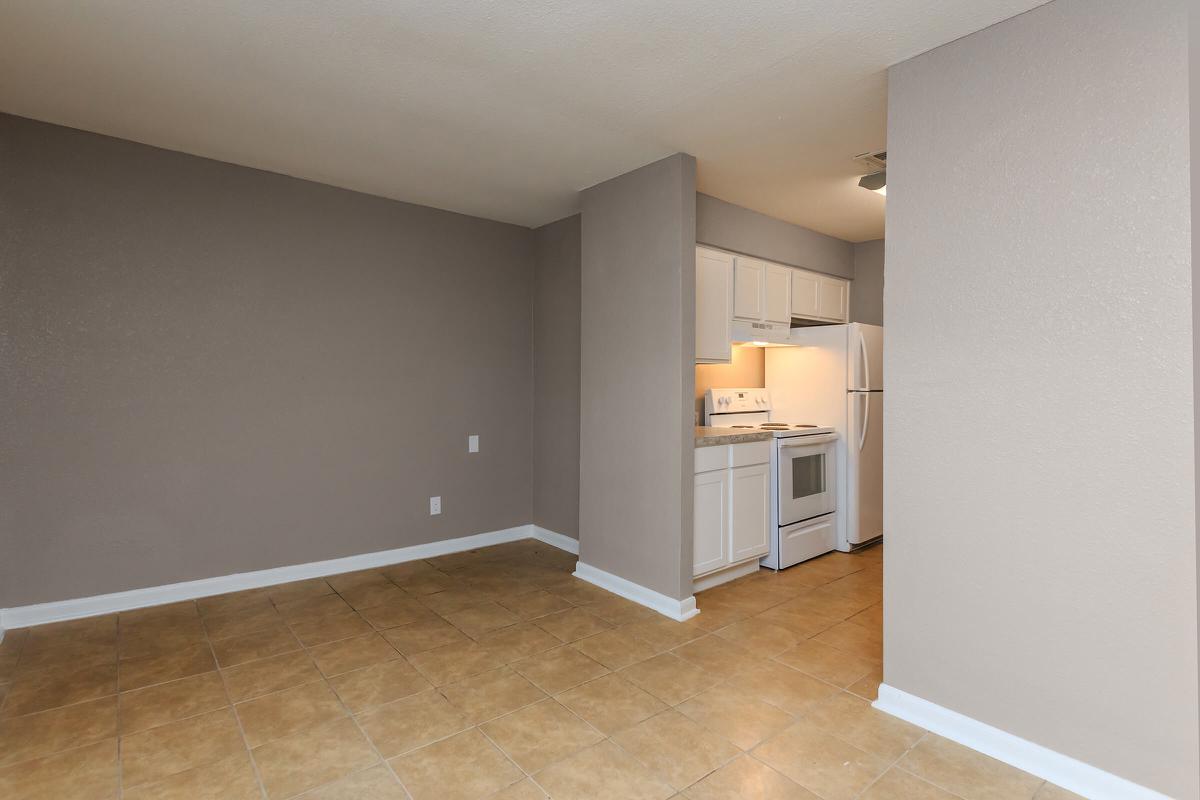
point(785, 428)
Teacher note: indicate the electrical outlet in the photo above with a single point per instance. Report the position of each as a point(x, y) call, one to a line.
point(473, 443)
point(435, 506)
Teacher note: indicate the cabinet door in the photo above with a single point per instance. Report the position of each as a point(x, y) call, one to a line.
point(806, 294)
point(777, 289)
point(710, 529)
point(748, 289)
point(750, 507)
point(835, 299)
point(714, 305)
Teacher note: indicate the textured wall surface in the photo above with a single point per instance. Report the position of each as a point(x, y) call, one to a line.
point(1040, 494)
point(740, 230)
point(866, 292)
point(556, 301)
point(638, 344)
point(207, 369)
point(1194, 85)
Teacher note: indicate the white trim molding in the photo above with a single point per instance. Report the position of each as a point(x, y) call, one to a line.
point(1061, 770)
point(42, 613)
point(678, 610)
point(561, 541)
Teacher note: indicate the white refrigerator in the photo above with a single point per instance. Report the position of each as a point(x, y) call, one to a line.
point(833, 375)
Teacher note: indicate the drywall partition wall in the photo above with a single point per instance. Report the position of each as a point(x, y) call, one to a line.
point(741, 230)
point(1039, 482)
point(556, 377)
point(638, 349)
point(207, 369)
point(1194, 86)
point(866, 293)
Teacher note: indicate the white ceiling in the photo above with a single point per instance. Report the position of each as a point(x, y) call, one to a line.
point(499, 109)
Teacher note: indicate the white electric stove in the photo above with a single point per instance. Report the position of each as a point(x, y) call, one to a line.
point(803, 469)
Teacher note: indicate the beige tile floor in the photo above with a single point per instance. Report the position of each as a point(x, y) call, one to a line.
point(488, 674)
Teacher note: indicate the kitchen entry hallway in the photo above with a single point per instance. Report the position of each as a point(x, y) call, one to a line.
point(491, 673)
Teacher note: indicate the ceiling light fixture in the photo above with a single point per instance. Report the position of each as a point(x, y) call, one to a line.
point(876, 182)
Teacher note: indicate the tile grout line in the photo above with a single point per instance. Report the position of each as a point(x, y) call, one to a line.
point(208, 642)
point(674, 708)
point(307, 648)
point(479, 725)
point(490, 597)
point(890, 766)
point(120, 736)
point(262, 788)
point(895, 765)
point(346, 709)
point(511, 760)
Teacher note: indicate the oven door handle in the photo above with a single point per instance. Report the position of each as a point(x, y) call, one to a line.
point(808, 441)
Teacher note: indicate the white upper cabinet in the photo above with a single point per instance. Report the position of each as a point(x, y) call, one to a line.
point(749, 281)
point(777, 291)
point(714, 306)
point(806, 294)
point(734, 290)
point(817, 296)
point(761, 291)
point(835, 299)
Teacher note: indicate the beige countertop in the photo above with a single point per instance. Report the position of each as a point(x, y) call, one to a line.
point(708, 437)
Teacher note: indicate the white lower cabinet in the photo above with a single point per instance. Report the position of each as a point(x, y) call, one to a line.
point(732, 512)
point(712, 521)
point(749, 512)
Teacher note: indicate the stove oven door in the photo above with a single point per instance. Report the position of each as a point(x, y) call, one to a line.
point(807, 477)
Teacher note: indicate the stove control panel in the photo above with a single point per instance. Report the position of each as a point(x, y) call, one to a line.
point(733, 401)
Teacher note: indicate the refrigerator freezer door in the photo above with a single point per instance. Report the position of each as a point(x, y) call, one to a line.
point(865, 362)
point(864, 467)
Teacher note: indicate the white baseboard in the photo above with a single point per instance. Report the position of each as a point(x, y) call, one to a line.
point(1061, 770)
point(42, 613)
point(561, 541)
point(667, 606)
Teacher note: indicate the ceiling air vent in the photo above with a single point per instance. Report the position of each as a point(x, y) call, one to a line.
point(873, 161)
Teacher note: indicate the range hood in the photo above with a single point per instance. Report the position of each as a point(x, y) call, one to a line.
point(768, 333)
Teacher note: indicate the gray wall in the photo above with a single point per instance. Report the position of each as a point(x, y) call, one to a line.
point(1040, 485)
point(556, 301)
point(741, 230)
point(1194, 85)
point(206, 369)
point(866, 292)
point(638, 332)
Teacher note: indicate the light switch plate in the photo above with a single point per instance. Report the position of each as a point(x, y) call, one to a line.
point(435, 506)
point(473, 443)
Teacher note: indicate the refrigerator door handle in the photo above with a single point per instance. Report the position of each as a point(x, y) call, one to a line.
point(866, 420)
point(866, 363)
